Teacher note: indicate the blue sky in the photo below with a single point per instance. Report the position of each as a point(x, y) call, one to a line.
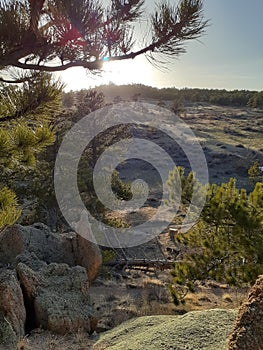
point(229, 55)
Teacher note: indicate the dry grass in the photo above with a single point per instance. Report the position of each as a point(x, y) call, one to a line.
point(149, 295)
point(45, 340)
point(227, 297)
point(151, 281)
point(23, 344)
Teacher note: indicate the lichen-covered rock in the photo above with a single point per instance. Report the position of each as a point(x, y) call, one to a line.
point(29, 280)
point(195, 330)
point(87, 254)
point(8, 338)
point(248, 329)
point(12, 310)
point(59, 296)
point(37, 239)
point(51, 290)
point(36, 245)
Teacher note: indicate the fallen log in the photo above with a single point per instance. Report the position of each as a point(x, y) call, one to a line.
point(142, 263)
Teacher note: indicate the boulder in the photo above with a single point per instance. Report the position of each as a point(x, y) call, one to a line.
point(12, 310)
point(36, 244)
point(36, 239)
point(248, 330)
point(30, 280)
point(196, 330)
point(42, 283)
point(58, 297)
point(87, 254)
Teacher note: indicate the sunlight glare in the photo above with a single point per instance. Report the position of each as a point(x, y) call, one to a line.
point(137, 70)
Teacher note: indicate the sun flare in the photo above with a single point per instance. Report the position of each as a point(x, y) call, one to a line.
point(136, 71)
point(126, 72)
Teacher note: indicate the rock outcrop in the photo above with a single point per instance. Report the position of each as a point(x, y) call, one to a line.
point(248, 330)
point(86, 254)
point(12, 309)
point(195, 330)
point(44, 282)
point(38, 243)
point(59, 297)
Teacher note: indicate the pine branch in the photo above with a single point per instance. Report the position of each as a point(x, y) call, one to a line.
point(85, 37)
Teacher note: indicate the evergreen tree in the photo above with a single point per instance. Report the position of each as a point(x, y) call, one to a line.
point(227, 243)
point(178, 182)
point(254, 172)
point(256, 101)
point(9, 210)
point(40, 187)
point(25, 130)
point(54, 35)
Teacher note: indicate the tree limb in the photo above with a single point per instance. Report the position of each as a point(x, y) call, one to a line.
point(15, 81)
point(97, 64)
point(35, 45)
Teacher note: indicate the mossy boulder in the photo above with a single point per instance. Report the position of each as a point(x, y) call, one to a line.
point(197, 330)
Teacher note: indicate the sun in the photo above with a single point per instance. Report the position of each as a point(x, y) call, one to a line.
point(134, 71)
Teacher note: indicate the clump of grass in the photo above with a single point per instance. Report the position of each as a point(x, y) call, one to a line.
point(227, 298)
point(80, 339)
point(53, 342)
point(151, 281)
point(23, 344)
point(204, 298)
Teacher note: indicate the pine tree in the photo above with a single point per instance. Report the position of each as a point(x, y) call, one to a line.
point(9, 210)
point(25, 130)
point(181, 187)
point(254, 172)
point(54, 35)
point(226, 245)
point(39, 181)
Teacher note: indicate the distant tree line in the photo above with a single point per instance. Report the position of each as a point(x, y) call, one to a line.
point(236, 98)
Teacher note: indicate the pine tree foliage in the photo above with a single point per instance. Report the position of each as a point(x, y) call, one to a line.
point(256, 101)
point(53, 35)
point(40, 180)
point(226, 245)
point(25, 131)
point(182, 186)
point(90, 102)
point(36, 99)
point(9, 210)
point(179, 181)
point(254, 172)
point(25, 116)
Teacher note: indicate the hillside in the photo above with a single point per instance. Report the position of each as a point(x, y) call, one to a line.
point(228, 125)
point(231, 138)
